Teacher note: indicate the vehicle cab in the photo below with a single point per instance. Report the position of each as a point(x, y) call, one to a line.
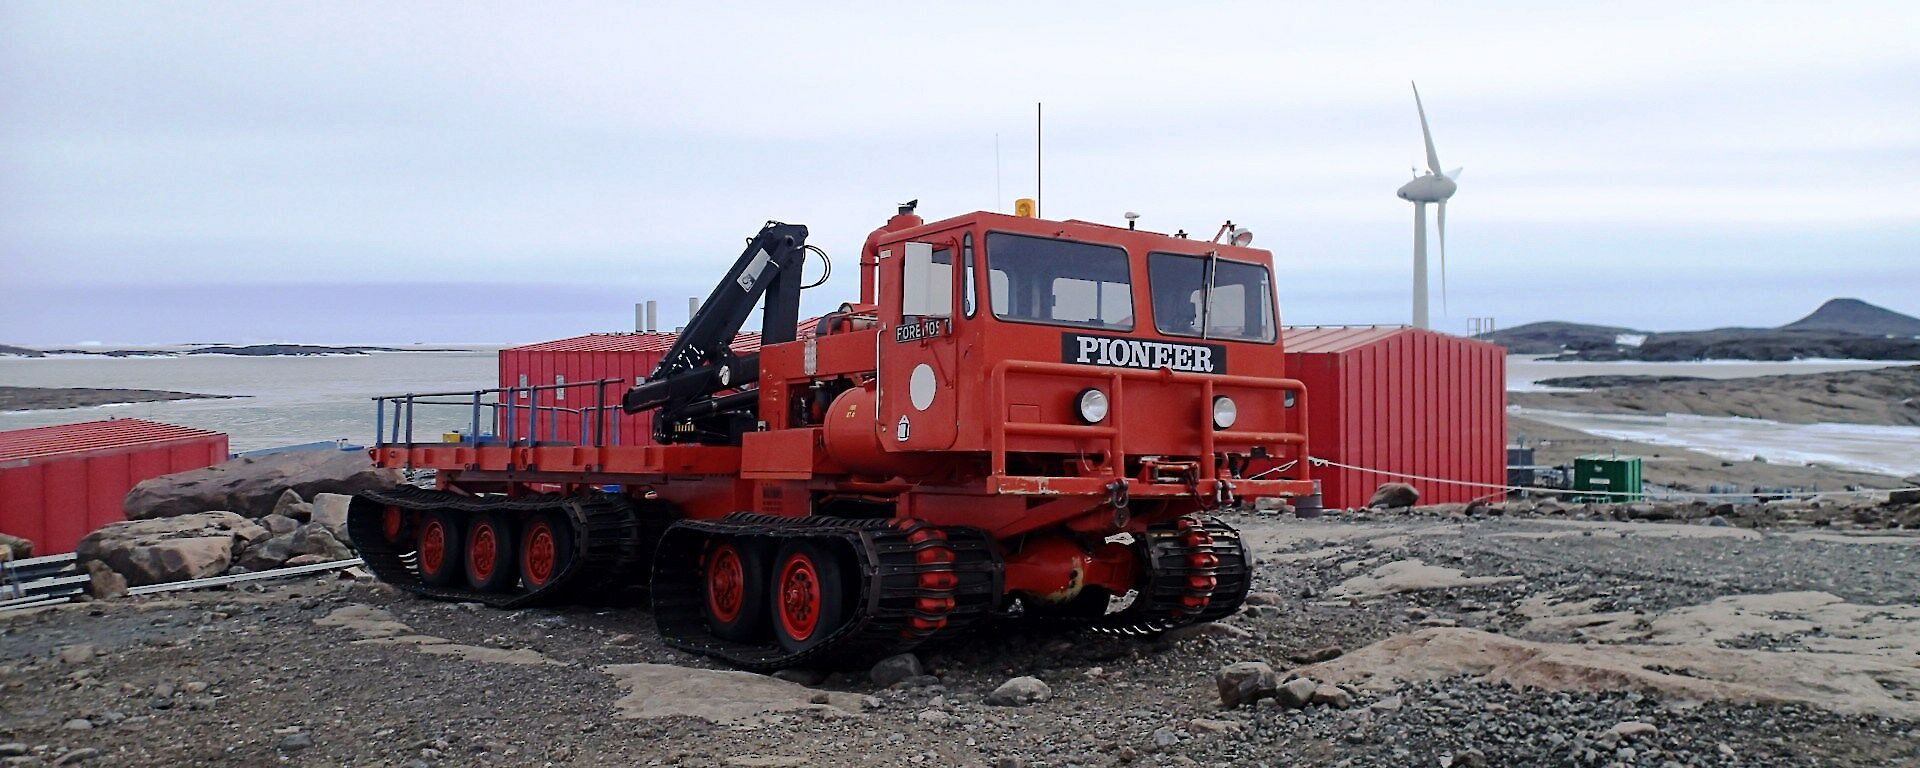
point(1056, 351)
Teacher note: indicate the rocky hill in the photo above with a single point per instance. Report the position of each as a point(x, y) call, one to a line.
point(1553, 337)
point(1840, 328)
point(1856, 316)
point(1888, 396)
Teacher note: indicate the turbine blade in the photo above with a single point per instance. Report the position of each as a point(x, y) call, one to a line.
point(1443, 257)
point(1433, 158)
point(1455, 173)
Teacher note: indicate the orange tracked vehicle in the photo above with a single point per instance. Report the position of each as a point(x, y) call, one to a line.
point(1017, 416)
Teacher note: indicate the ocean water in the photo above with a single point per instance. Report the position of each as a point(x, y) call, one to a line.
point(1525, 371)
point(281, 400)
point(1886, 450)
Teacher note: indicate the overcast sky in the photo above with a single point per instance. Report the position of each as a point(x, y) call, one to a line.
point(400, 172)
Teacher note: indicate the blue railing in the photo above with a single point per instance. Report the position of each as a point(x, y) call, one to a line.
point(505, 419)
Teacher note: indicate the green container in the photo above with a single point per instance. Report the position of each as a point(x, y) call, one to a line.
point(1619, 477)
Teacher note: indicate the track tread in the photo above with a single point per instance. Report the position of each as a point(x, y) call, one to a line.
point(605, 542)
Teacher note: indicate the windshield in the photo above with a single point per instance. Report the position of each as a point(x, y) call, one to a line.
point(1241, 303)
point(1059, 282)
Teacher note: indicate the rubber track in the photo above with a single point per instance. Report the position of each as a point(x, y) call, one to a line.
point(1159, 605)
point(888, 577)
point(606, 549)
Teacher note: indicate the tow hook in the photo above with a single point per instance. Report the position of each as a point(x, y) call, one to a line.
point(1223, 493)
point(1117, 494)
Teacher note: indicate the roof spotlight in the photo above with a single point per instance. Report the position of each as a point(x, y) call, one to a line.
point(1241, 237)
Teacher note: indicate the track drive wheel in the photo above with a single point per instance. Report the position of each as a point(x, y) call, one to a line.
point(546, 546)
point(395, 524)
point(809, 595)
point(490, 559)
point(736, 586)
point(438, 542)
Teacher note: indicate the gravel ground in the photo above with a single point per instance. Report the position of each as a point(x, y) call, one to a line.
point(303, 673)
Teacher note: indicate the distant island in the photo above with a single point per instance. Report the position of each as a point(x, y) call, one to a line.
point(50, 398)
point(1840, 329)
point(251, 350)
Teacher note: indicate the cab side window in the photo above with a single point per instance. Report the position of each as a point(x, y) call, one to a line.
point(926, 284)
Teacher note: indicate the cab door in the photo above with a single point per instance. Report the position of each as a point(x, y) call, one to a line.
point(919, 381)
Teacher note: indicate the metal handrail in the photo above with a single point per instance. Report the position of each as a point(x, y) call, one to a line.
point(593, 419)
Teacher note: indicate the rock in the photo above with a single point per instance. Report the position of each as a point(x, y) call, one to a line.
point(1264, 598)
point(1205, 725)
point(1165, 737)
point(314, 539)
point(1331, 696)
point(1296, 693)
point(1245, 682)
point(12, 749)
point(1388, 704)
point(330, 512)
point(295, 742)
point(251, 485)
point(1211, 630)
point(77, 756)
point(1715, 521)
point(78, 724)
point(1394, 496)
point(806, 677)
point(1317, 655)
point(14, 548)
point(76, 654)
point(103, 583)
point(894, 669)
point(1904, 496)
point(299, 560)
point(291, 505)
point(1020, 691)
point(1631, 729)
point(1469, 758)
point(279, 525)
point(171, 549)
point(269, 554)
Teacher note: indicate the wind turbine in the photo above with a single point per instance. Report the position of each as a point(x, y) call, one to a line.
point(1432, 187)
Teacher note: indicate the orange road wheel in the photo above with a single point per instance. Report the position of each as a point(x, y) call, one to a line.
point(546, 547)
point(393, 524)
point(489, 561)
point(438, 543)
point(809, 596)
point(736, 590)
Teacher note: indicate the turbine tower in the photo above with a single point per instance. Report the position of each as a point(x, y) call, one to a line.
point(1431, 187)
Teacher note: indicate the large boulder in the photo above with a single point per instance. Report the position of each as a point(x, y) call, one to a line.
point(14, 548)
point(314, 539)
point(330, 511)
point(253, 485)
point(1394, 496)
point(171, 549)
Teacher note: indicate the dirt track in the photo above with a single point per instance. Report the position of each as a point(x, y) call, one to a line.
point(329, 672)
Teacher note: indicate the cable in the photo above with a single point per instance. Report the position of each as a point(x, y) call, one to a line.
point(1320, 462)
point(826, 263)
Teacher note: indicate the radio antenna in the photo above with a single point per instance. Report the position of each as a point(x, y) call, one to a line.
point(1039, 175)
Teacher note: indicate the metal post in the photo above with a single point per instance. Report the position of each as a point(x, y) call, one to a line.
point(508, 425)
point(473, 433)
point(409, 420)
point(533, 415)
point(600, 415)
point(396, 421)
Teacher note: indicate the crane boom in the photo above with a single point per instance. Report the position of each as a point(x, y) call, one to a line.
point(701, 364)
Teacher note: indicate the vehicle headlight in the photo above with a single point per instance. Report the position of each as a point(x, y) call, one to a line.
point(1093, 405)
point(1225, 412)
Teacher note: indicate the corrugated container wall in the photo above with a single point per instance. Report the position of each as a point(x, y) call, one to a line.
point(1402, 400)
point(60, 482)
point(626, 358)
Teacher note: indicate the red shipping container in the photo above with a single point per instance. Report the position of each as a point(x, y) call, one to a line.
point(627, 357)
point(60, 482)
point(1401, 400)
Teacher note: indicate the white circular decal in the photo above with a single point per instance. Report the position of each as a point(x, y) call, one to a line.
point(920, 386)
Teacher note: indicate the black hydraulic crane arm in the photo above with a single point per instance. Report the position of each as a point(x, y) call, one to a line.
point(701, 362)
